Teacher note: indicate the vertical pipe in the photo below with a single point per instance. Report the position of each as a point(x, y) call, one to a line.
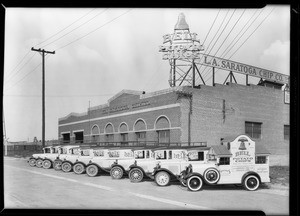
point(213, 76)
point(247, 79)
point(43, 99)
point(193, 74)
point(174, 77)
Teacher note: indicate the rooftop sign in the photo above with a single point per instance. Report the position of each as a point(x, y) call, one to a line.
point(242, 68)
point(182, 44)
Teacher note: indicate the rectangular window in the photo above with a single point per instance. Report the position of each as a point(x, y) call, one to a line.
point(140, 154)
point(124, 138)
point(66, 138)
point(260, 159)
point(224, 161)
point(286, 132)
point(196, 156)
point(160, 155)
point(78, 137)
point(109, 137)
point(164, 136)
point(253, 129)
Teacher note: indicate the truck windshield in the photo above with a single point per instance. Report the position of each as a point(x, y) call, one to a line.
point(161, 155)
point(85, 152)
point(47, 150)
point(139, 154)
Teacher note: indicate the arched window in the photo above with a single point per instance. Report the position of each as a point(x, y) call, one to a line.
point(95, 132)
point(123, 129)
point(109, 130)
point(162, 122)
point(162, 126)
point(140, 127)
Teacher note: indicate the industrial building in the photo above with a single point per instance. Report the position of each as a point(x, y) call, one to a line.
point(189, 114)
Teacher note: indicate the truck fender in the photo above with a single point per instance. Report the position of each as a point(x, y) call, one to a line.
point(58, 160)
point(79, 162)
point(194, 174)
point(250, 173)
point(68, 162)
point(163, 169)
point(134, 166)
point(117, 165)
point(99, 167)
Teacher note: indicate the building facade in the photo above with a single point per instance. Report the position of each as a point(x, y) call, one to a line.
point(187, 115)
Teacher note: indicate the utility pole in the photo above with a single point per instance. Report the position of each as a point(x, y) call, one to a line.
point(42, 52)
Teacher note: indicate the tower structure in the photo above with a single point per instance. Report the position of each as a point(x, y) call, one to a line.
point(182, 50)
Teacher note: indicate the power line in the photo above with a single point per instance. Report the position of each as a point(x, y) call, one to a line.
point(93, 30)
point(212, 41)
point(10, 73)
point(212, 26)
point(76, 27)
point(25, 76)
point(226, 37)
point(238, 38)
point(252, 33)
point(64, 28)
point(20, 68)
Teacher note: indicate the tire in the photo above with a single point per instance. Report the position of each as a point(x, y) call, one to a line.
point(116, 172)
point(251, 182)
point(162, 178)
point(78, 168)
point(136, 175)
point(47, 164)
point(183, 184)
point(39, 163)
point(57, 165)
point(194, 183)
point(92, 170)
point(211, 176)
point(32, 162)
point(66, 167)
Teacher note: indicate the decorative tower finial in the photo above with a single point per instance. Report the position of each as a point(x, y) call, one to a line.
point(181, 23)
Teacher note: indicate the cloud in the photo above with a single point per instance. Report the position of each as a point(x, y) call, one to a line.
point(277, 56)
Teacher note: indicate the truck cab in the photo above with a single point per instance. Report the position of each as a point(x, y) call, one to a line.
point(63, 151)
point(37, 159)
point(236, 161)
point(172, 162)
point(110, 157)
point(85, 156)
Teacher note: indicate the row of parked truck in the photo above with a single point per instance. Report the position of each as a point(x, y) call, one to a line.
point(236, 161)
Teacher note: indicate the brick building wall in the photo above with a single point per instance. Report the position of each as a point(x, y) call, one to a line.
point(217, 112)
point(222, 111)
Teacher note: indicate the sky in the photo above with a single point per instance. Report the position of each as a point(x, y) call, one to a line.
point(101, 51)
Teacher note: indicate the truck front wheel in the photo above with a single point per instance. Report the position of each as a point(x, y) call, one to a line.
point(78, 168)
point(136, 175)
point(162, 178)
point(66, 167)
point(39, 163)
point(195, 183)
point(92, 170)
point(251, 183)
point(116, 172)
point(32, 162)
point(47, 164)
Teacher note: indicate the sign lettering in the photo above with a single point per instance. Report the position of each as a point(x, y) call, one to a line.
point(242, 68)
